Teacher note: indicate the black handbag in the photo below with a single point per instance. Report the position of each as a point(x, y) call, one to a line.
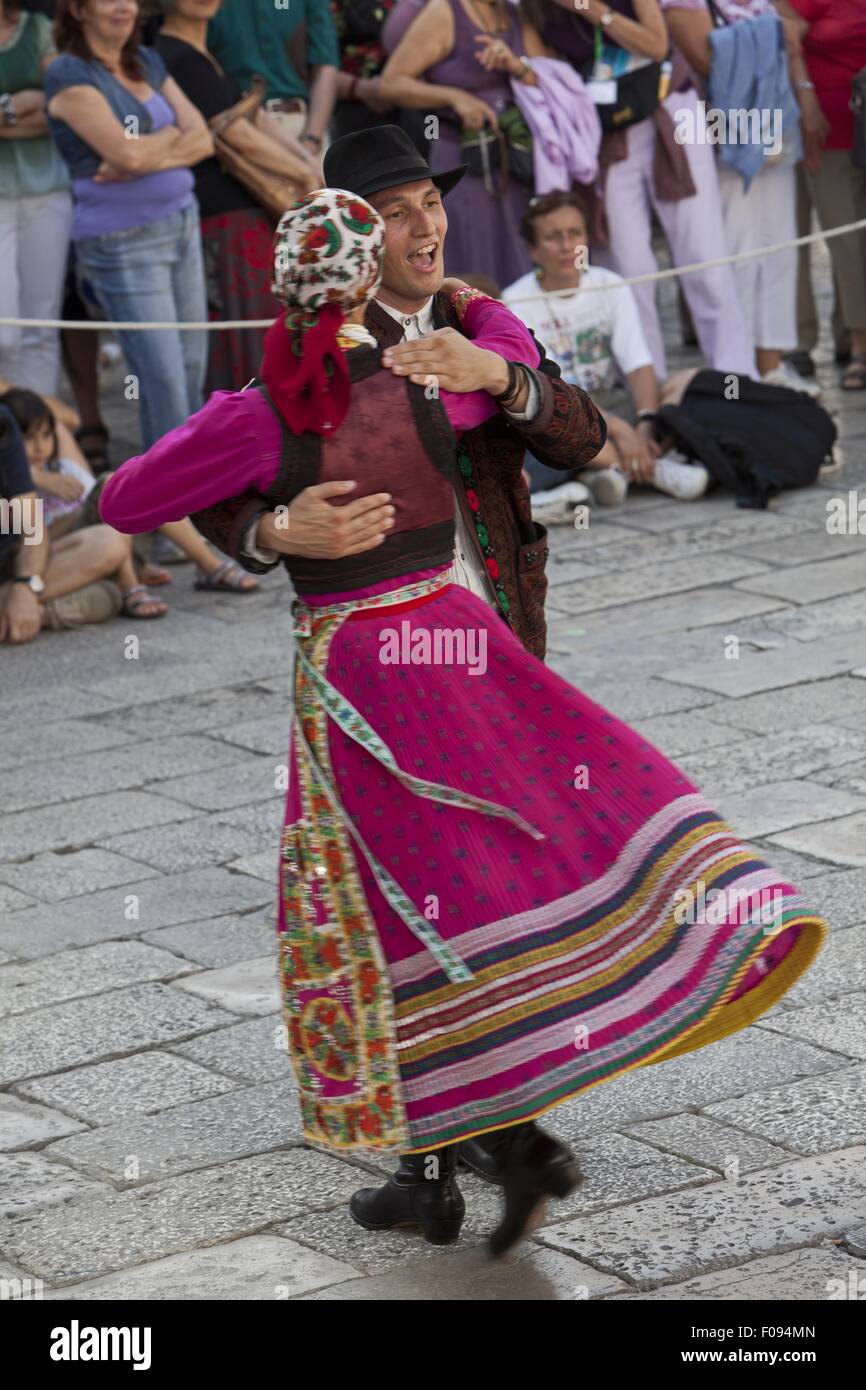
point(507, 151)
point(637, 96)
point(638, 92)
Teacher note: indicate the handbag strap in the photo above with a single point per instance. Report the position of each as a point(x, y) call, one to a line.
point(245, 109)
point(719, 21)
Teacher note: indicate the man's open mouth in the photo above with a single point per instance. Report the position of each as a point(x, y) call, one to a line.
point(425, 257)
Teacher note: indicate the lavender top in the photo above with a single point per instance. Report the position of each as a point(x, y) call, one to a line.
point(101, 208)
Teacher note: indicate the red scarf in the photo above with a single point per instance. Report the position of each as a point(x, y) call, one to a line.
point(310, 386)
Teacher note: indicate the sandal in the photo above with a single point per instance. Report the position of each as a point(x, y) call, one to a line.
point(227, 576)
point(92, 440)
point(153, 576)
point(854, 376)
point(137, 599)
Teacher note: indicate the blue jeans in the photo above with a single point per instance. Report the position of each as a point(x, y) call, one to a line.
point(155, 273)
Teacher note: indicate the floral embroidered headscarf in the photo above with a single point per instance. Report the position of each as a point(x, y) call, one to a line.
point(329, 250)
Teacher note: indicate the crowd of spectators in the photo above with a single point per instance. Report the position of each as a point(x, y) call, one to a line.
point(591, 131)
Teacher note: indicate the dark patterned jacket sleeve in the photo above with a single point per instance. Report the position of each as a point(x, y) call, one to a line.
point(569, 429)
point(226, 523)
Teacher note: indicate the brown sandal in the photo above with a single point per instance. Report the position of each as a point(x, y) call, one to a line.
point(228, 577)
point(137, 599)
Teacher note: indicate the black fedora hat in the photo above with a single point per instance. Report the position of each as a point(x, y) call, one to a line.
point(367, 161)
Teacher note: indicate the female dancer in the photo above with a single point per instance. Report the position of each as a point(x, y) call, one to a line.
point(494, 894)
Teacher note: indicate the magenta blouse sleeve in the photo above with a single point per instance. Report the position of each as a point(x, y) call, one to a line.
point(491, 325)
point(230, 445)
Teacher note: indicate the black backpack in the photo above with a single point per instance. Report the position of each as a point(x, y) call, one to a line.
point(767, 439)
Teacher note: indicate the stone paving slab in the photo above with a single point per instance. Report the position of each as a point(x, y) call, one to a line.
point(29, 1182)
point(778, 757)
point(659, 533)
point(170, 674)
point(838, 1024)
point(250, 1269)
point(839, 969)
point(830, 701)
point(844, 613)
point(672, 1238)
point(245, 987)
point(664, 577)
point(252, 1051)
point(209, 710)
point(530, 1275)
point(246, 1121)
point(202, 839)
point(849, 777)
point(841, 840)
point(73, 974)
point(45, 704)
point(671, 613)
point(684, 733)
point(23, 1124)
point(809, 1117)
point(57, 736)
point(53, 877)
point(742, 1063)
point(776, 806)
point(220, 942)
point(223, 788)
point(105, 1025)
point(802, 1276)
point(76, 824)
point(702, 1139)
point(12, 901)
point(162, 902)
point(808, 583)
point(106, 1092)
point(335, 1234)
point(263, 865)
point(116, 770)
point(635, 701)
point(812, 543)
point(203, 1208)
point(842, 895)
point(797, 868)
point(704, 512)
point(270, 734)
point(793, 664)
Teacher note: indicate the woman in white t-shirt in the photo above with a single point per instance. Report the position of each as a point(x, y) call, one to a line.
point(596, 337)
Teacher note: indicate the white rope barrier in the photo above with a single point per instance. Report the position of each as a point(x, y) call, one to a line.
point(226, 325)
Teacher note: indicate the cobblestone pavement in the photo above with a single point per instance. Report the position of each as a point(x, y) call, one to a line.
point(149, 1136)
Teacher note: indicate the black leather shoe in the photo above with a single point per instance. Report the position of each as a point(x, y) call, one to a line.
point(412, 1198)
point(535, 1167)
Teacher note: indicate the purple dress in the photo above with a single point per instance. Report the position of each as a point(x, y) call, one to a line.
point(483, 229)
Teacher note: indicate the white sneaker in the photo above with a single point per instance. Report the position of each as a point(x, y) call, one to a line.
point(558, 503)
point(608, 486)
point(685, 481)
point(786, 375)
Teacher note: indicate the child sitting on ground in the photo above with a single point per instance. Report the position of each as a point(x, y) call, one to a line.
point(68, 489)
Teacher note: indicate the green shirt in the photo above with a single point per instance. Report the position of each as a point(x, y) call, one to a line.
point(250, 37)
point(28, 168)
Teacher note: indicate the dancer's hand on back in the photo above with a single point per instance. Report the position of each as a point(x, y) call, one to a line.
point(314, 527)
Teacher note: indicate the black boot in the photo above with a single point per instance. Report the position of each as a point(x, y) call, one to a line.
point(535, 1167)
point(485, 1154)
point(420, 1193)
